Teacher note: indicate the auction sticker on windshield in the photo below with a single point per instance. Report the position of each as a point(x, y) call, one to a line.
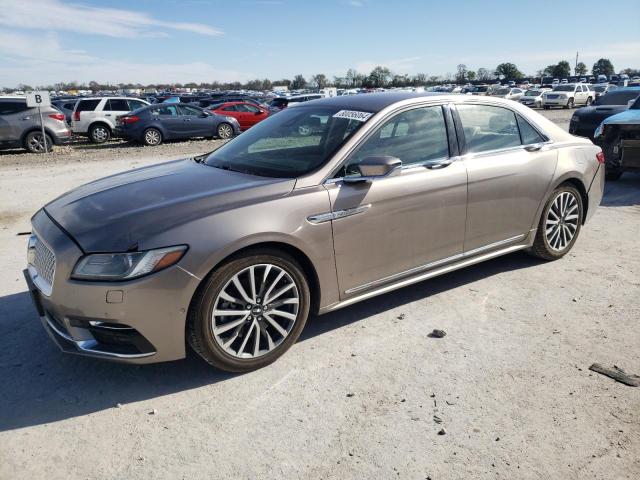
point(353, 115)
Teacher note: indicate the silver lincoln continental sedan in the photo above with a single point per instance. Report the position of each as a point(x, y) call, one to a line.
point(314, 209)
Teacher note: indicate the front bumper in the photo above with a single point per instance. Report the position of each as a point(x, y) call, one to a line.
point(139, 321)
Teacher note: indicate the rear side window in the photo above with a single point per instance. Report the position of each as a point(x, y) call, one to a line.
point(528, 134)
point(8, 108)
point(87, 105)
point(488, 128)
point(618, 97)
point(116, 105)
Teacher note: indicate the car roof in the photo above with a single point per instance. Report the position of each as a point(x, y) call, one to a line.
point(372, 102)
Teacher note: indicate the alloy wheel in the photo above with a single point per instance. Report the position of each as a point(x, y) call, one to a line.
point(225, 130)
point(37, 144)
point(152, 137)
point(562, 221)
point(255, 311)
point(100, 134)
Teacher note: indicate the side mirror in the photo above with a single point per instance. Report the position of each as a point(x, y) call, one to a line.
point(204, 115)
point(375, 167)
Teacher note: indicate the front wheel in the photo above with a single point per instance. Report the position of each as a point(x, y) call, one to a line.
point(589, 101)
point(559, 225)
point(538, 104)
point(250, 311)
point(225, 131)
point(546, 107)
point(570, 103)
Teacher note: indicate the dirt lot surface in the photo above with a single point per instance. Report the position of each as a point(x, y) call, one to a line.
point(365, 391)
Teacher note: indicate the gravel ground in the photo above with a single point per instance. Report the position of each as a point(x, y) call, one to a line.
point(365, 391)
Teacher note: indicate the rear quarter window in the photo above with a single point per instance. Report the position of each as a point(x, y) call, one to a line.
point(87, 105)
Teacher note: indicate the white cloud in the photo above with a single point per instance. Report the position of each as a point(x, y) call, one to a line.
point(37, 61)
point(55, 15)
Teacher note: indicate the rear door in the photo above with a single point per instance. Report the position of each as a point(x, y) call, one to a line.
point(170, 119)
point(114, 107)
point(509, 166)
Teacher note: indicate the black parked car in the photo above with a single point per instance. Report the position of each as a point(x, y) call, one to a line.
point(174, 121)
point(585, 120)
point(66, 106)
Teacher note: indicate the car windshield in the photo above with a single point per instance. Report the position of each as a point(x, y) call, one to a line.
point(532, 93)
point(292, 143)
point(564, 88)
point(503, 91)
point(617, 98)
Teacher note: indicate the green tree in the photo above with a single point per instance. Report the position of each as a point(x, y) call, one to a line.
point(461, 73)
point(484, 74)
point(471, 75)
point(603, 67)
point(581, 69)
point(562, 69)
point(379, 76)
point(509, 71)
point(298, 82)
point(320, 80)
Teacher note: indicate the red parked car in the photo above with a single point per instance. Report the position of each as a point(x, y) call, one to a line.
point(247, 114)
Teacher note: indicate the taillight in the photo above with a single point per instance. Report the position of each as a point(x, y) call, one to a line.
point(131, 119)
point(57, 116)
point(76, 115)
point(600, 157)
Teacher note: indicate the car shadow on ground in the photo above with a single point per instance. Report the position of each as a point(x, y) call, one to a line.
point(623, 192)
point(42, 385)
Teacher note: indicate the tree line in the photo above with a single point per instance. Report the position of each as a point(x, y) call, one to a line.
point(379, 77)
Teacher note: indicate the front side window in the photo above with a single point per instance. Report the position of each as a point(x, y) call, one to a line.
point(290, 144)
point(414, 136)
point(488, 128)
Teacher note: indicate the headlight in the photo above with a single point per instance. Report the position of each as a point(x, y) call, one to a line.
point(126, 266)
point(230, 119)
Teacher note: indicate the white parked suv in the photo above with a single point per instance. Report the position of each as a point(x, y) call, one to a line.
point(96, 117)
point(568, 96)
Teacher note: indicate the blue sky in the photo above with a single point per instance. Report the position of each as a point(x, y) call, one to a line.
point(43, 41)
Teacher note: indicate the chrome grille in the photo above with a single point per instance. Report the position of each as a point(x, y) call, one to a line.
point(44, 262)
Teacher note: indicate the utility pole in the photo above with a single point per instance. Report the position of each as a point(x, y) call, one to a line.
point(575, 69)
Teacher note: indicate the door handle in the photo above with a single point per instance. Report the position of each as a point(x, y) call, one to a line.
point(107, 114)
point(434, 164)
point(533, 148)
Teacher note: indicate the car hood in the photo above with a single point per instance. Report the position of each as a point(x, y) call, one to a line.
point(117, 213)
point(628, 117)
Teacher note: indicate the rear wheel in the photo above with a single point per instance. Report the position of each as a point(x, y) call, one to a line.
point(34, 143)
point(559, 224)
point(250, 311)
point(99, 133)
point(225, 131)
point(152, 137)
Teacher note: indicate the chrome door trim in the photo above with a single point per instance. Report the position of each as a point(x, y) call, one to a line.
point(431, 265)
point(465, 262)
point(328, 216)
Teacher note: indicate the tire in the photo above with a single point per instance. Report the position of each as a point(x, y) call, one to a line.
point(224, 131)
point(34, 144)
point(612, 174)
point(152, 137)
point(99, 133)
point(538, 104)
point(552, 243)
point(589, 101)
point(254, 336)
point(570, 103)
point(546, 107)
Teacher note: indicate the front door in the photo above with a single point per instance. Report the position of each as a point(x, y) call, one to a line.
point(509, 167)
point(195, 122)
point(393, 227)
